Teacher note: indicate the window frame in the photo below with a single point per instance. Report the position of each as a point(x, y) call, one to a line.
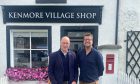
point(9, 39)
point(50, 1)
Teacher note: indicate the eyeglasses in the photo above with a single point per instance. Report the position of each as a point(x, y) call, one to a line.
point(88, 39)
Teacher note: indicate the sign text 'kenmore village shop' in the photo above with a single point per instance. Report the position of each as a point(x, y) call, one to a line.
point(56, 15)
point(52, 14)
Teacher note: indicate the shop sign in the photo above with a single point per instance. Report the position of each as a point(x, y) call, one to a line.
point(52, 14)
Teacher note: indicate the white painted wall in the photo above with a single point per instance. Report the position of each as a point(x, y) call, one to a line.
point(129, 19)
point(3, 57)
point(107, 29)
point(110, 77)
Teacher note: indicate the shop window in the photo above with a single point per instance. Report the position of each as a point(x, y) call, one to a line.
point(28, 48)
point(50, 1)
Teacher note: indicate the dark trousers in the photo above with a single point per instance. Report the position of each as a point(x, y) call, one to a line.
point(96, 82)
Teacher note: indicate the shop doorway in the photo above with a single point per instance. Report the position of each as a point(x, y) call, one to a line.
point(76, 35)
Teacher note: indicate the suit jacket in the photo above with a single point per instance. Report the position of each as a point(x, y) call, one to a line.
point(56, 69)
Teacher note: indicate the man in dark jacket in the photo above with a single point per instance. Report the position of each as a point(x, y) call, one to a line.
point(90, 62)
point(63, 67)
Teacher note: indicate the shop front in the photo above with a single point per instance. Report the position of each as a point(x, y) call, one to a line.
point(29, 46)
point(33, 32)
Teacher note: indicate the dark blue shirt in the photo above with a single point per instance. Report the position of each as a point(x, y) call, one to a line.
point(65, 60)
point(91, 65)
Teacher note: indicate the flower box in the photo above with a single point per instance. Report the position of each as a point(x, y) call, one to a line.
point(19, 74)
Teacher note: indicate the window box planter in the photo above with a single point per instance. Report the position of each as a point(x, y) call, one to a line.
point(21, 74)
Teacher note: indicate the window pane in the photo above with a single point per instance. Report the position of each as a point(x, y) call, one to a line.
point(21, 40)
point(22, 58)
point(76, 34)
point(39, 58)
point(30, 49)
point(39, 34)
point(39, 40)
point(21, 34)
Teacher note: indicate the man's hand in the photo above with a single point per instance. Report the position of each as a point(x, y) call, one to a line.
point(73, 82)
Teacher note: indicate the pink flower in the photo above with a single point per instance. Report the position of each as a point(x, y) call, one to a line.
point(18, 74)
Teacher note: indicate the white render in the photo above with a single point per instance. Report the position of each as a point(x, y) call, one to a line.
point(3, 56)
point(129, 19)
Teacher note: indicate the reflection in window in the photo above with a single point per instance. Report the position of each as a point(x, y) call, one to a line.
point(39, 40)
point(30, 49)
point(76, 34)
point(39, 58)
point(22, 58)
point(21, 40)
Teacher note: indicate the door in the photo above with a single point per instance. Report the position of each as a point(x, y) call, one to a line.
point(76, 34)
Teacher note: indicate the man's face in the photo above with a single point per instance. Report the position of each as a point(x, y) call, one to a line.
point(65, 44)
point(88, 41)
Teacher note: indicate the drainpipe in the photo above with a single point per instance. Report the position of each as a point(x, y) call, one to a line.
point(117, 18)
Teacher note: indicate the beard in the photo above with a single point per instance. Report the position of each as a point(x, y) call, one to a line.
point(88, 46)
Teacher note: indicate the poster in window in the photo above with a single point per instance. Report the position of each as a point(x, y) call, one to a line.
point(19, 42)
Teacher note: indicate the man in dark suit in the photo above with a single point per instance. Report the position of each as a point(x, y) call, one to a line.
point(63, 67)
